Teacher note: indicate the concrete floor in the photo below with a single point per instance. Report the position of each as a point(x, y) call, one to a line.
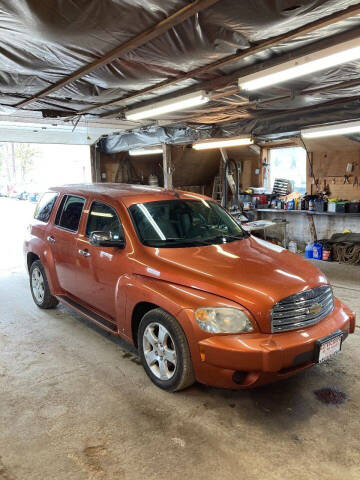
point(75, 404)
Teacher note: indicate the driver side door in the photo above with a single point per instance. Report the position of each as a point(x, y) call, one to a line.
point(100, 267)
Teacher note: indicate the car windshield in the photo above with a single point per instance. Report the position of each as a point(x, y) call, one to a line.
point(184, 223)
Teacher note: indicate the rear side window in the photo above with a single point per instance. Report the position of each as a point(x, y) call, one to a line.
point(45, 206)
point(69, 213)
point(103, 218)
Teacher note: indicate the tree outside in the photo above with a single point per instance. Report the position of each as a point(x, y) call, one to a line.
point(34, 167)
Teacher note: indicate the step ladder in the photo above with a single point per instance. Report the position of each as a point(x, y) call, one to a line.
point(217, 189)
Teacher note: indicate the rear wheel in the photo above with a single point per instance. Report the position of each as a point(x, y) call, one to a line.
point(40, 288)
point(164, 351)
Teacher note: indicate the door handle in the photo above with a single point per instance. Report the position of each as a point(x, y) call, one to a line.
point(84, 253)
point(51, 239)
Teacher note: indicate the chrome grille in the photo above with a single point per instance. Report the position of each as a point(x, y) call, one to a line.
point(302, 309)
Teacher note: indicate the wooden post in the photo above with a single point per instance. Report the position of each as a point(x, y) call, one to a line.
point(95, 163)
point(312, 227)
point(263, 160)
point(167, 167)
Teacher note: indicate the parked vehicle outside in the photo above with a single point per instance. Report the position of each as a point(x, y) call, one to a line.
point(33, 197)
point(3, 191)
point(172, 273)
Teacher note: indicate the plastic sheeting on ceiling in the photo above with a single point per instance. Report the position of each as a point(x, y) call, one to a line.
point(43, 42)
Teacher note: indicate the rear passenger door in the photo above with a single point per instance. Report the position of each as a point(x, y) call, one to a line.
point(63, 242)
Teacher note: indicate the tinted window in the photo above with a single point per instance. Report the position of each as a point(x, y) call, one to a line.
point(181, 223)
point(45, 206)
point(69, 213)
point(103, 218)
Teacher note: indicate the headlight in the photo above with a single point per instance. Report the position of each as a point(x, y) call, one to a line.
point(223, 320)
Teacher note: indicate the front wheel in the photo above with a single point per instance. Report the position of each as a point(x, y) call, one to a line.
point(40, 288)
point(164, 351)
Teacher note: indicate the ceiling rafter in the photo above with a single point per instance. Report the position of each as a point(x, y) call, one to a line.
point(261, 46)
point(146, 36)
point(307, 91)
point(274, 115)
point(225, 80)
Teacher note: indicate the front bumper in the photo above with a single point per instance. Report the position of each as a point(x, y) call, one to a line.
point(261, 358)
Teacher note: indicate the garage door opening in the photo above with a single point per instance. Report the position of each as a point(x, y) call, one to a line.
point(26, 171)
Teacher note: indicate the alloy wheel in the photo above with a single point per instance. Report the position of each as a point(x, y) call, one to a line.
point(159, 351)
point(37, 285)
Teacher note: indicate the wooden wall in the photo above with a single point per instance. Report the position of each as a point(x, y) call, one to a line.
point(191, 168)
point(330, 157)
point(143, 166)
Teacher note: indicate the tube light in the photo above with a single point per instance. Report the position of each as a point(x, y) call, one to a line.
point(313, 62)
point(329, 130)
point(145, 151)
point(223, 143)
point(175, 104)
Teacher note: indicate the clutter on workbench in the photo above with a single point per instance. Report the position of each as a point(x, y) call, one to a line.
point(296, 201)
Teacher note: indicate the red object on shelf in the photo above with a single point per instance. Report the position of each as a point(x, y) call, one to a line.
point(262, 199)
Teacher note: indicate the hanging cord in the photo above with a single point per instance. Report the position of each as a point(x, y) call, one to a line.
point(311, 164)
point(346, 252)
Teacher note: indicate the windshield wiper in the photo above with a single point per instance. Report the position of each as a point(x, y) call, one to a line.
point(193, 242)
point(224, 236)
point(173, 241)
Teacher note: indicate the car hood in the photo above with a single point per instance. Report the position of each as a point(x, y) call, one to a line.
point(254, 273)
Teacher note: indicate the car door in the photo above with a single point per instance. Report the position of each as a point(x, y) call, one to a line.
point(101, 267)
point(62, 238)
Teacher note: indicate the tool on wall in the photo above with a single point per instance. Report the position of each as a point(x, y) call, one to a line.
point(235, 209)
point(316, 181)
point(229, 164)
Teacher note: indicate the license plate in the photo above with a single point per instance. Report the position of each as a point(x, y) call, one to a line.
point(329, 346)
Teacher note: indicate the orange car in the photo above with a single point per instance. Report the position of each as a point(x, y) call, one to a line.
point(172, 273)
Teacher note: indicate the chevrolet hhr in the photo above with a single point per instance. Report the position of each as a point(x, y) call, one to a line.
point(172, 273)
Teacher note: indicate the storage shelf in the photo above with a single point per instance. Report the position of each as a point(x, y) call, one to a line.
point(308, 212)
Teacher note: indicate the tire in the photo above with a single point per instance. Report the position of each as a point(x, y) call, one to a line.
point(39, 287)
point(164, 351)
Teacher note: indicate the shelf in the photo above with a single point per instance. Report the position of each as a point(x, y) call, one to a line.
point(308, 212)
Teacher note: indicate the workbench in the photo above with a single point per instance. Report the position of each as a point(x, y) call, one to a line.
point(310, 214)
point(307, 212)
point(264, 225)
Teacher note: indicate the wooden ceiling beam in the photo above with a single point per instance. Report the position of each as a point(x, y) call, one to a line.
point(261, 46)
point(146, 36)
point(308, 91)
point(272, 115)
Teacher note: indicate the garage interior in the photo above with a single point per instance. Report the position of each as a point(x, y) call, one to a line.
point(75, 402)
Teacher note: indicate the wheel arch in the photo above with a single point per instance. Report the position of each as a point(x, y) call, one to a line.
point(138, 312)
point(30, 259)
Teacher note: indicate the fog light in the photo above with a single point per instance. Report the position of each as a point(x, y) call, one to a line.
point(239, 377)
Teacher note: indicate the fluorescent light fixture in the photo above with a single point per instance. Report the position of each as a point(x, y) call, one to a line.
point(313, 62)
point(223, 143)
point(329, 130)
point(145, 151)
point(175, 104)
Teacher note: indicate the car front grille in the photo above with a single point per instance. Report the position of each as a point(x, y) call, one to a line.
point(302, 309)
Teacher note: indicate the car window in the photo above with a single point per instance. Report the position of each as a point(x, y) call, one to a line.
point(103, 218)
point(184, 223)
point(69, 213)
point(45, 206)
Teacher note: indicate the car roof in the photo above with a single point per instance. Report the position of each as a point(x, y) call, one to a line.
point(126, 193)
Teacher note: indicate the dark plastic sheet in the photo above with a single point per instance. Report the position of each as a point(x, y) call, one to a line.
point(44, 41)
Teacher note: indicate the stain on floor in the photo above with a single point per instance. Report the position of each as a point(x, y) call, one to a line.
point(330, 396)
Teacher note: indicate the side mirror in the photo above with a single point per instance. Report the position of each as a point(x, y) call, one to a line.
point(104, 239)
